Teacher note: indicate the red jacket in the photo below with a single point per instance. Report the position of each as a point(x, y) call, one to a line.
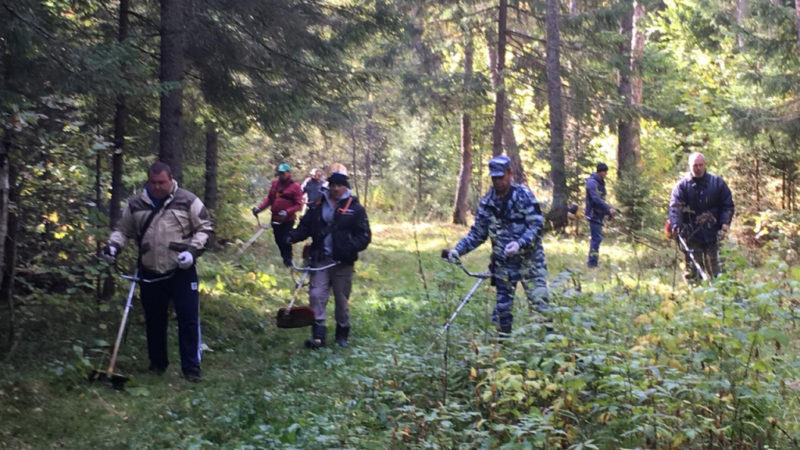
point(283, 196)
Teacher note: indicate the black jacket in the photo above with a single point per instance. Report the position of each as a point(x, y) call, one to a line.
point(699, 206)
point(350, 230)
point(596, 206)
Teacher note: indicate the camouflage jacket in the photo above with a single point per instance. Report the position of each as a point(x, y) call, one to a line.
point(517, 217)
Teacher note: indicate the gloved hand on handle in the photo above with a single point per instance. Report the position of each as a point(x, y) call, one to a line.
point(450, 256)
point(185, 259)
point(109, 254)
point(255, 210)
point(512, 248)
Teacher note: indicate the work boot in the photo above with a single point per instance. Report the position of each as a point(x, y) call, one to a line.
point(158, 370)
point(318, 333)
point(192, 375)
point(341, 335)
point(504, 333)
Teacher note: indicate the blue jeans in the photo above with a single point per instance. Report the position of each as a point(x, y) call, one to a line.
point(596, 230)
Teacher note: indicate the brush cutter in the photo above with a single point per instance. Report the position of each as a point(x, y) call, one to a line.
point(685, 249)
point(299, 316)
point(261, 230)
point(108, 376)
point(481, 277)
point(643, 240)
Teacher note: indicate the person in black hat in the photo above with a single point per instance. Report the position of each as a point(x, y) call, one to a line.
point(596, 210)
point(339, 229)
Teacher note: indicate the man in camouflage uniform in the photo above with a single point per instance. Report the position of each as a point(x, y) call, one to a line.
point(510, 216)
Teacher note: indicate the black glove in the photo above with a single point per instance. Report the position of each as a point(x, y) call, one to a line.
point(255, 210)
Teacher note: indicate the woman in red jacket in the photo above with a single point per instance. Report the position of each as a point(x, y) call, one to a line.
point(285, 198)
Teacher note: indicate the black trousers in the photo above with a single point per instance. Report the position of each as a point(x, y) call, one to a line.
point(181, 288)
point(281, 232)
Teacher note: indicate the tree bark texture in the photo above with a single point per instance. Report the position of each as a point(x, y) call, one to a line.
point(558, 210)
point(10, 253)
point(374, 142)
point(499, 89)
point(465, 172)
point(171, 77)
point(508, 140)
point(742, 8)
point(630, 89)
point(212, 164)
point(7, 328)
point(120, 122)
point(354, 155)
point(797, 13)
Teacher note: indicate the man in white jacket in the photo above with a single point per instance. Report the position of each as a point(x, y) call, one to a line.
point(171, 227)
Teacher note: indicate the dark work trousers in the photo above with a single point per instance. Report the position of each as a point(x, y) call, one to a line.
point(596, 230)
point(181, 288)
point(707, 255)
point(281, 231)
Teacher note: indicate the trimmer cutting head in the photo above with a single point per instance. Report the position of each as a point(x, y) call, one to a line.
point(295, 317)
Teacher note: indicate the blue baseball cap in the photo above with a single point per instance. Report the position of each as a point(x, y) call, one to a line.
point(284, 168)
point(499, 165)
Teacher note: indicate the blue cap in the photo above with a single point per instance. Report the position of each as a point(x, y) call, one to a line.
point(284, 168)
point(499, 165)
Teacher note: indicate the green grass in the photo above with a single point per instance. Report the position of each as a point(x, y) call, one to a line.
point(633, 360)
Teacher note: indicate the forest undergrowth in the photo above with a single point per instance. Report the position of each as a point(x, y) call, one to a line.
point(635, 358)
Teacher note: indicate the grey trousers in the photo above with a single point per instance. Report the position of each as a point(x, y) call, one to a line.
point(338, 279)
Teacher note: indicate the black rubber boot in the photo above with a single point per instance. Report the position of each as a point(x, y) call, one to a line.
point(341, 335)
point(504, 333)
point(318, 333)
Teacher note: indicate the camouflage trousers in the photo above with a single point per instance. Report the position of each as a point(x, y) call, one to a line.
point(707, 255)
point(532, 273)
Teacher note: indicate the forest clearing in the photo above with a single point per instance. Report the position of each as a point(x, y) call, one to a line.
point(633, 164)
point(632, 361)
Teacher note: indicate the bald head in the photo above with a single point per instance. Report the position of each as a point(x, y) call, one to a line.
point(697, 164)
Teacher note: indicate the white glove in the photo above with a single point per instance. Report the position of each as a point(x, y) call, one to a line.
point(512, 248)
point(185, 260)
point(109, 254)
point(452, 256)
point(282, 213)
